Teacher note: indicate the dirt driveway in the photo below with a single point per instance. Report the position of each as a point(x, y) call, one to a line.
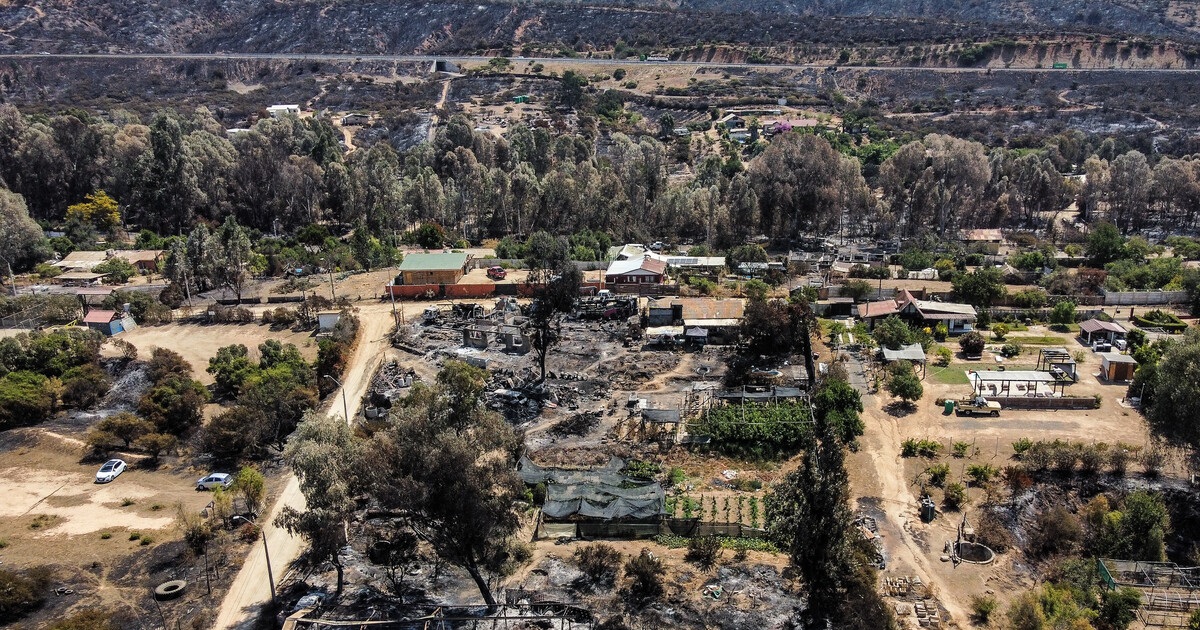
point(884, 483)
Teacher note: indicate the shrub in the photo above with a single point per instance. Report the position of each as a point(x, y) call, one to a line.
point(1021, 446)
point(676, 476)
point(1152, 461)
point(1091, 459)
point(938, 473)
point(1056, 530)
point(1118, 608)
point(1038, 457)
point(944, 355)
point(645, 573)
point(913, 447)
point(954, 496)
point(599, 563)
point(1118, 459)
point(999, 331)
point(982, 607)
point(1010, 350)
point(704, 551)
point(22, 593)
point(959, 449)
point(1063, 457)
point(981, 474)
point(971, 344)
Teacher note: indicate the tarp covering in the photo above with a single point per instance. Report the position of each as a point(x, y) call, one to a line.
point(660, 415)
point(596, 493)
point(776, 392)
point(603, 501)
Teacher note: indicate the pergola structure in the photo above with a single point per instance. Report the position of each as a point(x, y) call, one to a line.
point(1059, 363)
point(1016, 384)
point(912, 353)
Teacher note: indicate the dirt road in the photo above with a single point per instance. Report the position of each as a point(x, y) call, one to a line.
point(250, 589)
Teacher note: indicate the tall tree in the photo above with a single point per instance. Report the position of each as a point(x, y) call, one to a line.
point(556, 283)
point(233, 250)
point(324, 455)
point(445, 466)
point(808, 515)
point(21, 234)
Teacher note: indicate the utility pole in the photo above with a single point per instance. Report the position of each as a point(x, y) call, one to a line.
point(266, 552)
point(345, 407)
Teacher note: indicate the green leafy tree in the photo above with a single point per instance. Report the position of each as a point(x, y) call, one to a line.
point(251, 487)
point(430, 236)
point(1170, 389)
point(25, 398)
point(857, 289)
point(175, 405)
point(118, 270)
point(453, 483)
point(1063, 313)
point(324, 455)
point(903, 382)
point(838, 404)
point(972, 344)
point(893, 333)
point(1119, 608)
point(233, 253)
point(125, 427)
point(757, 290)
point(1104, 245)
point(808, 516)
point(22, 236)
point(980, 288)
point(230, 368)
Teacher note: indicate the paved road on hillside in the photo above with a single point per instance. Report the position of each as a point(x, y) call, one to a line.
point(250, 589)
point(346, 57)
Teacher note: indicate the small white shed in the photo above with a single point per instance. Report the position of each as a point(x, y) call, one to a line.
point(326, 320)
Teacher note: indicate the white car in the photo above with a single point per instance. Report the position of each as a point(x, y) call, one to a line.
point(110, 470)
point(215, 480)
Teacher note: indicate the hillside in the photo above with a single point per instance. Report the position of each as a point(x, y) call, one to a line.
point(379, 26)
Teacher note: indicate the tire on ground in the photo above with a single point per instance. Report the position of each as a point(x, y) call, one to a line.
point(170, 590)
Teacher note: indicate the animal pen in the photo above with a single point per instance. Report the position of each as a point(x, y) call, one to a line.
point(1170, 593)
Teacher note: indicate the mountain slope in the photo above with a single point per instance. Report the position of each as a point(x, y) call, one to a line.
point(381, 26)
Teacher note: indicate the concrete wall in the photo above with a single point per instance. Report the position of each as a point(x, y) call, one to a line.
point(1028, 402)
point(1133, 298)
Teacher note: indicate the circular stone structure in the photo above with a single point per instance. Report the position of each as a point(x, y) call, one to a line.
point(974, 553)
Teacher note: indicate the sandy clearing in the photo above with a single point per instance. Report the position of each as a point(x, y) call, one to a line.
point(84, 507)
point(199, 342)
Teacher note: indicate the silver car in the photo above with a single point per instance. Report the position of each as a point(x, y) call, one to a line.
point(215, 480)
point(110, 470)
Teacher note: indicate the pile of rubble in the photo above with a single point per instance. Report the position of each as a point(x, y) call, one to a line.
point(391, 382)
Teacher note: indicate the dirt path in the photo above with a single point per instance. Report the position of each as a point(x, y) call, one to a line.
point(250, 589)
point(898, 503)
point(433, 118)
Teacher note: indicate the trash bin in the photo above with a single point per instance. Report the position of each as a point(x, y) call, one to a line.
point(949, 407)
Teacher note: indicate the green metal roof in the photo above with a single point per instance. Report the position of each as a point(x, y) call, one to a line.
point(434, 262)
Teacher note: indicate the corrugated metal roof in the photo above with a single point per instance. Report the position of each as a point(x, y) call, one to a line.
point(445, 261)
point(99, 317)
point(1097, 325)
